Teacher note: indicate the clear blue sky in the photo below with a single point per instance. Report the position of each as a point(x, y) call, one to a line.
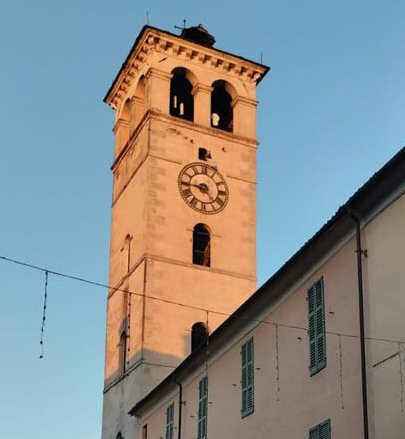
point(332, 111)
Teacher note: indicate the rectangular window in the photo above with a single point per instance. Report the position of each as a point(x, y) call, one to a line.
point(202, 408)
point(321, 431)
point(316, 327)
point(169, 421)
point(145, 431)
point(247, 381)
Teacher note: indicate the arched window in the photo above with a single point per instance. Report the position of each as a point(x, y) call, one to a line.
point(221, 106)
point(181, 96)
point(126, 111)
point(138, 104)
point(122, 352)
point(121, 127)
point(119, 436)
point(201, 245)
point(199, 335)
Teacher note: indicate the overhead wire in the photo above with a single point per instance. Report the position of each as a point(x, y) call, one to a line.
point(206, 310)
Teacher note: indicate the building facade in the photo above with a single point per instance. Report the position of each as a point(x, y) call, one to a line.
point(183, 237)
point(289, 362)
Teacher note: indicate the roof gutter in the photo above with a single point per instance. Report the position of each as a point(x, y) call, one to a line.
point(360, 252)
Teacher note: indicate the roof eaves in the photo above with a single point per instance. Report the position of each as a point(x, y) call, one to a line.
point(147, 27)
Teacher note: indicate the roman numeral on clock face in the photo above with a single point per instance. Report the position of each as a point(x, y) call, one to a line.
point(219, 201)
point(187, 193)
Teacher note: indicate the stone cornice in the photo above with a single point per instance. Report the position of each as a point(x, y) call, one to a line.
point(155, 40)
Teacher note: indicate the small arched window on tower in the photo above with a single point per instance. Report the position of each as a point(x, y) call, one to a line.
point(119, 436)
point(138, 104)
point(181, 95)
point(122, 352)
point(201, 245)
point(199, 335)
point(221, 106)
point(122, 126)
point(126, 255)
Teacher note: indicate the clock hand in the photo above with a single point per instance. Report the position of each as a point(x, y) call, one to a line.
point(203, 188)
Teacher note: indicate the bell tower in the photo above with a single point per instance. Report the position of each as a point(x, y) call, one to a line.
point(183, 208)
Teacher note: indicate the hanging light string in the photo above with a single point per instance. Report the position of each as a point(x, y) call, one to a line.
point(129, 329)
point(341, 371)
point(41, 340)
point(212, 311)
point(277, 366)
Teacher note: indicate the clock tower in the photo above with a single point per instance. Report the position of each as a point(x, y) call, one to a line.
point(183, 234)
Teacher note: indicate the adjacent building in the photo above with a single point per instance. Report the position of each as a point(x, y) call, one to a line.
point(288, 362)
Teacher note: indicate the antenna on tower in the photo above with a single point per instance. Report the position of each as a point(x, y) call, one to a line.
point(147, 17)
point(261, 57)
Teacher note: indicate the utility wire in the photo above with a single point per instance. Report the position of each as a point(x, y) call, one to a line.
point(172, 302)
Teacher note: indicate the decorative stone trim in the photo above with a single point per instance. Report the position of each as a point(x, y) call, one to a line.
point(158, 74)
point(167, 44)
point(202, 88)
point(120, 123)
point(246, 101)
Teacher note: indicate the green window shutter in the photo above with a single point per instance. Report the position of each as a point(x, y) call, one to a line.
point(247, 378)
point(169, 421)
point(321, 431)
point(202, 408)
point(325, 430)
point(316, 327)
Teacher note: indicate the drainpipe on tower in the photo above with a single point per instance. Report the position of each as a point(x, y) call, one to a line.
point(360, 252)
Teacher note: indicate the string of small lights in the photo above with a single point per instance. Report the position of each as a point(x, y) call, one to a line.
point(41, 340)
point(277, 366)
point(206, 310)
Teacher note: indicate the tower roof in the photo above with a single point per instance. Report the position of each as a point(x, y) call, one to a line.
point(195, 43)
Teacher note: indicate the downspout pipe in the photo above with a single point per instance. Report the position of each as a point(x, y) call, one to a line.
point(180, 407)
point(360, 253)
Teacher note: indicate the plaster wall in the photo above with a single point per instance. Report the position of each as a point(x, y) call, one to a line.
point(384, 240)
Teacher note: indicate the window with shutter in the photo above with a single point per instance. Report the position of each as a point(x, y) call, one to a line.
point(321, 431)
point(169, 421)
point(202, 408)
point(316, 327)
point(247, 379)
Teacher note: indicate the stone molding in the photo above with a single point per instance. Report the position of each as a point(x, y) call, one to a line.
point(151, 257)
point(175, 121)
point(245, 101)
point(202, 88)
point(171, 45)
point(120, 123)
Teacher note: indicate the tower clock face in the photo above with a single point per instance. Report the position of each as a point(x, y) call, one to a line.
point(203, 188)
